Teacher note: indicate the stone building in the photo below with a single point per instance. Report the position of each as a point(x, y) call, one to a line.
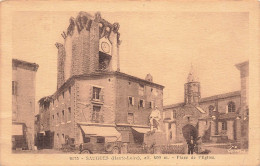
point(93, 97)
point(23, 103)
point(244, 75)
point(215, 118)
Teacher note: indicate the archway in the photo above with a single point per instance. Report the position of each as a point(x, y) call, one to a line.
point(188, 131)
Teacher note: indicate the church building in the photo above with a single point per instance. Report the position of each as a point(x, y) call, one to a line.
point(213, 119)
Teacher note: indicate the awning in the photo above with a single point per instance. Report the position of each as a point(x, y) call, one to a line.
point(141, 130)
point(17, 129)
point(101, 131)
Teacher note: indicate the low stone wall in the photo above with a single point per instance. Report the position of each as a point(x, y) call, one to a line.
point(173, 149)
point(155, 138)
point(160, 149)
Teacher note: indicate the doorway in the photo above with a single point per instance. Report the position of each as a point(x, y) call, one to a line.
point(188, 131)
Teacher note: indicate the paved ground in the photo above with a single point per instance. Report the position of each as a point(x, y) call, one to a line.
point(215, 149)
point(42, 151)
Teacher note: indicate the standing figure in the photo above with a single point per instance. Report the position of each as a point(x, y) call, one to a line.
point(191, 144)
point(154, 117)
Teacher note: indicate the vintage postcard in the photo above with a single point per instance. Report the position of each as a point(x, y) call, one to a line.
point(129, 83)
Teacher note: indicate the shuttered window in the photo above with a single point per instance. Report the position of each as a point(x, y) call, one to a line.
point(131, 100)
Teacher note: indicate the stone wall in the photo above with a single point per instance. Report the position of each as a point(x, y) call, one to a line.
point(60, 64)
point(107, 102)
point(63, 125)
point(80, 53)
point(130, 88)
point(23, 101)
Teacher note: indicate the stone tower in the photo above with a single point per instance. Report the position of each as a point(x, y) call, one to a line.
point(192, 88)
point(91, 44)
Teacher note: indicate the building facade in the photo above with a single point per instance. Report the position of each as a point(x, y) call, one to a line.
point(23, 103)
point(93, 97)
point(213, 119)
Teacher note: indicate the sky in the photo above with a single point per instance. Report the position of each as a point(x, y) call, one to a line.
point(164, 44)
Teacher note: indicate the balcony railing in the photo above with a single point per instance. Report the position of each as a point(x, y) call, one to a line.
point(99, 98)
point(99, 119)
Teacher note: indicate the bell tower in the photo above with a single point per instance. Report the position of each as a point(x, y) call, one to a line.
point(91, 44)
point(192, 88)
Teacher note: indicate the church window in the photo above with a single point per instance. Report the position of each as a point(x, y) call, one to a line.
point(231, 107)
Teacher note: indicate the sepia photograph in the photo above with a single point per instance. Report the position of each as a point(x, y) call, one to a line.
point(127, 83)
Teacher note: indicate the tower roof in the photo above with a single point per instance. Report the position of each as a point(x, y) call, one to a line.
point(192, 77)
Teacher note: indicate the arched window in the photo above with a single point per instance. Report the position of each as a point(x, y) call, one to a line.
point(231, 107)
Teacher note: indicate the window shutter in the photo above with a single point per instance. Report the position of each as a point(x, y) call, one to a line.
point(152, 104)
point(143, 103)
point(102, 94)
point(226, 109)
point(91, 92)
point(133, 100)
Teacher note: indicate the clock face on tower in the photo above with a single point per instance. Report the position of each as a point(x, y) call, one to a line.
point(105, 47)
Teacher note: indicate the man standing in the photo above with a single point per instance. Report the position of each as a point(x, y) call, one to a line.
point(191, 145)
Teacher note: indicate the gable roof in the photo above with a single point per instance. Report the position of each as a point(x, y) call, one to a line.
point(206, 99)
point(25, 65)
